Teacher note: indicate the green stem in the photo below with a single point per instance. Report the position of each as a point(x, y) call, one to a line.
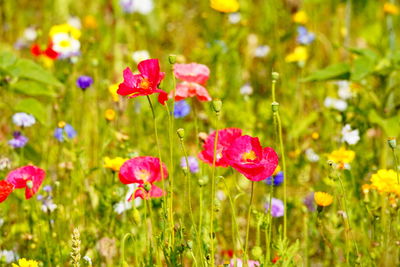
point(248, 222)
point(126, 236)
point(270, 219)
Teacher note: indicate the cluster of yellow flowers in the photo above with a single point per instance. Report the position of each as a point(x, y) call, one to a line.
point(384, 181)
point(114, 164)
point(225, 6)
point(342, 156)
point(26, 263)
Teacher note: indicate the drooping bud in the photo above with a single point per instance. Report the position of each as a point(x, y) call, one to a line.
point(217, 105)
point(392, 142)
point(275, 106)
point(172, 59)
point(257, 252)
point(181, 133)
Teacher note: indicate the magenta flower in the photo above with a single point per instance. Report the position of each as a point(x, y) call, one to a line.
point(29, 177)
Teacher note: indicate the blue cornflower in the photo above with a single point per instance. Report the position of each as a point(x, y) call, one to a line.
point(84, 82)
point(193, 164)
point(182, 109)
point(278, 179)
point(64, 130)
point(18, 141)
point(304, 36)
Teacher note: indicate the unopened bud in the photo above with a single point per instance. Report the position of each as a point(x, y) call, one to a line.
point(172, 59)
point(29, 184)
point(217, 105)
point(181, 133)
point(136, 216)
point(275, 76)
point(147, 187)
point(256, 252)
point(392, 142)
point(275, 106)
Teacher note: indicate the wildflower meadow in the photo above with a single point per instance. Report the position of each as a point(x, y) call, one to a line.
point(199, 133)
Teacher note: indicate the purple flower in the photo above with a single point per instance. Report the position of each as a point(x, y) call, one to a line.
point(193, 164)
point(23, 119)
point(304, 36)
point(84, 82)
point(18, 141)
point(277, 208)
point(278, 179)
point(182, 109)
point(48, 188)
point(239, 263)
point(309, 202)
point(67, 131)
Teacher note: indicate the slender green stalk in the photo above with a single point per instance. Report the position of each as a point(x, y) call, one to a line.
point(248, 222)
point(396, 165)
point(270, 219)
point(213, 191)
point(161, 170)
point(124, 239)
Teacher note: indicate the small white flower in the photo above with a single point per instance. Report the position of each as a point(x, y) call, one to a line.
point(221, 195)
point(337, 104)
point(88, 260)
point(140, 55)
point(125, 205)
point(234, 18)
point(75, 22)
point(48, 206)
point(30, 34)
point(8, 255)
point(1, 222)
point(5, 163)
point(350, 136)
point(246, 89)
point(141, 6)
point(262, 51)
point(66, 45)
point(344, 90)
point(23, 119)
point(311, 155)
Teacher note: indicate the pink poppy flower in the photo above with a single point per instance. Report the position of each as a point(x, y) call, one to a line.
point(188, 89)
point(154, 192)
point(145, 83)
point(28, 177)
point(248, 157)
point(6, 189)
point(142, 170)
point(225, 139)
point(193, 72)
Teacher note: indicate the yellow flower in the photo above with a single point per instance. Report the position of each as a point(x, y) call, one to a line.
point(114, 164)
point(315, 135)
point(277, 170)
point(300, 54)
point(113, 91)
point(89, 22)
point(323, 199)
point(26, 263)
point(390, 8)
point(342, 156)
point(61, 124)
point(300, 17)
point(385, 181)
point(109, 114)
point(226, 6)
point(65, 28)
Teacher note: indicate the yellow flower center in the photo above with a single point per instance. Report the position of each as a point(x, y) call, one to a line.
point(65, 43)
point(248, 156)
point(145, 83)
point(142, 175)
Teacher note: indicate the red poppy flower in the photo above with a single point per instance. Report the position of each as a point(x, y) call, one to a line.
point(187, 89)
point(194, 76)
point(141, 192)
point(193, 72)
point(225, 139)
point(35, 50)
point(247, 156)
point(145, 83)
point(141, 170)
point(6, 189)
point(28, 177)
point(48, 52)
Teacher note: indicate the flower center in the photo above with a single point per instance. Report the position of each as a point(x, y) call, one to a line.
point(249, 156)
point(65, 43)
point(142, 175)
point(145, 83)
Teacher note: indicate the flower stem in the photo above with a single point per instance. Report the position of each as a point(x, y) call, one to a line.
point(248, 222)
point(268, 248)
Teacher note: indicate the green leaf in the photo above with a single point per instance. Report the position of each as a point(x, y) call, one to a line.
point(338, 71)
point(25, 68)
point(364, 52)
point(6, 59)
point(34, 107)
point(391, 126)
point(32, 88)
point(361, 68)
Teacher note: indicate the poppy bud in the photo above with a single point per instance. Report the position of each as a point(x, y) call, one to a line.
point(217, 105)
point(172, 59)
point(392, 142)
point(147, 187)
point(257, 252)
point(29, 184)
point(136, 216)
point(275, 76)
point(181, 133)
point(275, 106)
